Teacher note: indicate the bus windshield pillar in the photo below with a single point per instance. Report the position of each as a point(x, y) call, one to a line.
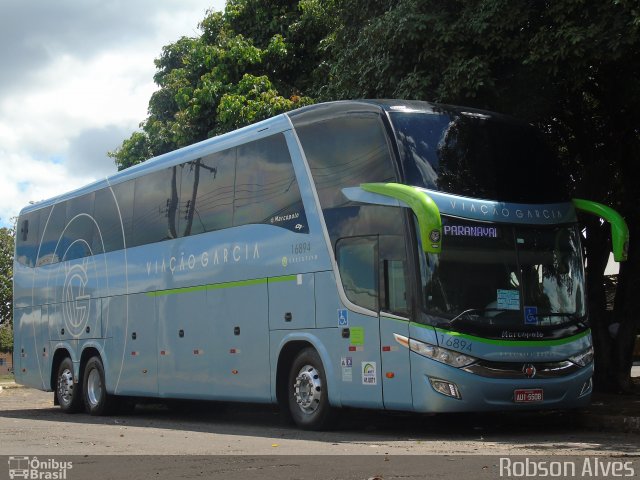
point(619, 229)
point(425, 209)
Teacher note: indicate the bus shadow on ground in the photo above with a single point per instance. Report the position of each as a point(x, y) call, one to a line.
point(548, 431)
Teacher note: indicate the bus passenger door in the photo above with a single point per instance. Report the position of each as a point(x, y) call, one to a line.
point(394, 313)
point(359, 355)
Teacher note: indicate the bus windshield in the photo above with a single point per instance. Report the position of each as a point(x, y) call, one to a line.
point(479, 156)
point(504, 276)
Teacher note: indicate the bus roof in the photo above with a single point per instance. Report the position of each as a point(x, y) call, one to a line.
point(279, 123)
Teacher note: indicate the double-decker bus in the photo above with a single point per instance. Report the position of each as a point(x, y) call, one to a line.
point(395, 255)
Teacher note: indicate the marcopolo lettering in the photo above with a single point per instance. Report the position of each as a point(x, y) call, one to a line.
point(285, 218)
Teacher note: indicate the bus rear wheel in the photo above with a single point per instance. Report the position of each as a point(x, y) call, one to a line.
point(68, 393)
point(96, 399)
point(307, 392)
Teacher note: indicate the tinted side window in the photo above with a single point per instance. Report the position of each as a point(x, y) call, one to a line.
point(27, 238)
point(387, 225)
point(357, 260)
point(346, 151)
point(80, 227)
point(53, 244)
point(124, 196)
point(155, 207)
point(266, 189)
point(393, 274)
point(108, 236)
point(206, 193)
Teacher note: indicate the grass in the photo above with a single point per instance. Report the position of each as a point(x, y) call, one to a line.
point(6, 377)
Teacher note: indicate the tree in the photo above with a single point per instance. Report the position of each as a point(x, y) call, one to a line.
point(6, 338)
point(6, 276)
point(569, 67)
point(254, 61)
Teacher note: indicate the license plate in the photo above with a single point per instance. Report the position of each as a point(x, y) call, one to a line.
point(531, 395)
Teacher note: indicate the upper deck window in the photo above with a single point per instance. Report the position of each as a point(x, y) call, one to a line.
point(345, 151)
point(249, 184)
point(266, 189)
point(206, 195)
point(478, 156)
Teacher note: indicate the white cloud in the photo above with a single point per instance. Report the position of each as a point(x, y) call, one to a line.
point(79, 84)
point(26, 179)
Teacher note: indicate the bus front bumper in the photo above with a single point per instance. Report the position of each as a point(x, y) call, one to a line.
point(467, 392)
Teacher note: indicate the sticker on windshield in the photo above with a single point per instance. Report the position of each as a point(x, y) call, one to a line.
point(508, 299)
point(530, 315)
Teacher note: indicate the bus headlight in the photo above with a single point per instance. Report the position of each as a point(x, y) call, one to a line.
point(445, 388)
point(439, 354)
point(583, 358)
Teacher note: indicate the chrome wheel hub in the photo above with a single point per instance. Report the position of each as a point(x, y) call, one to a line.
point(308, 389)
point(65, 387)
point(94, 387)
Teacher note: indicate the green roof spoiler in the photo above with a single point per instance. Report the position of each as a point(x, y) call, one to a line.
point(619, 229)
point(425, 209)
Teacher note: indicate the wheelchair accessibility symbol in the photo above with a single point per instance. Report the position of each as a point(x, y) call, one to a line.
point(343, 317)
point(530, 315)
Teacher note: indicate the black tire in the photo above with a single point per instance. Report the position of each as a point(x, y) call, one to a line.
point(96, 399)
point(307, 393)
point(68, 392)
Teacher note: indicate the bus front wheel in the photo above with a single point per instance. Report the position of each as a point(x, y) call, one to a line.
point(307, 392)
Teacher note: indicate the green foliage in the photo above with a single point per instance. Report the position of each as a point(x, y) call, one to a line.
point(253, 99)
point(6, 275)
point(134, 150)
point(6, 338)
point(255, 60)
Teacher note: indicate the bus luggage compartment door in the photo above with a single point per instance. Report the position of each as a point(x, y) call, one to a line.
point(292, 302)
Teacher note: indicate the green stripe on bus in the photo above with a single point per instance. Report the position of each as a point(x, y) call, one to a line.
point(514, 343)
point(219, 286)
point(284, 278)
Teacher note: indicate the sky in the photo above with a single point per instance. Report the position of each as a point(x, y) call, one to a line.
point(75, 81)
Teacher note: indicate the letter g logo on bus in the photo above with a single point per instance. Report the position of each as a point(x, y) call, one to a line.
point(76, 299)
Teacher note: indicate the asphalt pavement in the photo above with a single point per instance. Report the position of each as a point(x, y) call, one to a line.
point(607, 411)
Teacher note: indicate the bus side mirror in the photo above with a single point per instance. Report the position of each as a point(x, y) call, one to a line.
point(619, 228)
point(423, 206)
